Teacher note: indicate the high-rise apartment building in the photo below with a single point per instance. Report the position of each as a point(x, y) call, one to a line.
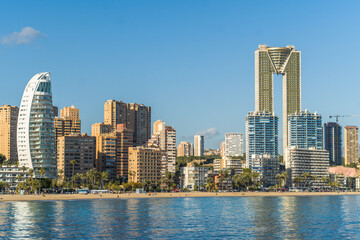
point(68, 123)
point(56, 111)
point(305, 130)
point(333, 142)
point(351, 139)
point(35, 129)
point(286, 62)
point(65, 126)
point(80, 148)
point(261, 135)
point(70, 112)
point(100, 128)
point(166, 137)
point(8, 123)
point(144, 164)
point(198, 145)
point(234, 144)
point(185, 149)
point(112, 151)
point(137, 117)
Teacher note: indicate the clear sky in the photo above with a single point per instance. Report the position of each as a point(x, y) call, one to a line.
point(191, 61)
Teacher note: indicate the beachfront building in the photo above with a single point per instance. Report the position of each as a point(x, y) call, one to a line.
point(77, 148)
point(261, 135)
point(305, 130)
point(313, 162)
point(267, 167)
point(112, 152)
point(194, 178)
point(144, 164)
point(35, 129)
point(12, 175)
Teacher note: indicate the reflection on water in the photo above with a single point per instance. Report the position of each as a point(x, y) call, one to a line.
point(323, 217)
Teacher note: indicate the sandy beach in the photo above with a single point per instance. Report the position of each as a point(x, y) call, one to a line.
point(165, 195)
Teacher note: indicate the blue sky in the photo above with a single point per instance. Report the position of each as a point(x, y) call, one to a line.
point(191, 61)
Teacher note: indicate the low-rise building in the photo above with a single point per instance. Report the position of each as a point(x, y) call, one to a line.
point(12, 175)
point(229, 163)
point(194, 176)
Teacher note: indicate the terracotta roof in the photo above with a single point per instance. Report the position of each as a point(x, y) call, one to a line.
point(345, 171)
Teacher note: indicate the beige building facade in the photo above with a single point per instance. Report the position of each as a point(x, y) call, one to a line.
point(100, 128)
point(112, 152)
point(185, 149)
point(80, 148)
point(144, 164)
point(166, 139)
point(136, 117)
point(351, 139)
point(8, 128)
point(70, 112)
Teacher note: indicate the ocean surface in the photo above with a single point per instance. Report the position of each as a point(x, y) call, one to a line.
point(315, 217)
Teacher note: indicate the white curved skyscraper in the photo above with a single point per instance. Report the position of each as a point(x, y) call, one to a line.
point(35, 129)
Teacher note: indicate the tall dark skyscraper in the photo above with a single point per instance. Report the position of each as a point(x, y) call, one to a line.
point(332, 142)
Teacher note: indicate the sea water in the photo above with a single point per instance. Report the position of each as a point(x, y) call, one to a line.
point(308, 217)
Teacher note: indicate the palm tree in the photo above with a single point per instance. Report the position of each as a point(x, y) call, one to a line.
point(31, 174)
point(209, 183)
point(306, 177)
point(73, 162)
point(285, 177)
point(279, 178)
point(324, 179)
point(42, 172)
point(297, 181)
point(104, 177)
point(23, 169)
point(315, 178)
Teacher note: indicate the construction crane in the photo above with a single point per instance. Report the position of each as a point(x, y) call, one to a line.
point(338, 116)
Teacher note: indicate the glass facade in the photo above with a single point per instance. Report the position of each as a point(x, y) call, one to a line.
point(36, 135)
point(305, 130)
point(332, 142)
point(261, 135)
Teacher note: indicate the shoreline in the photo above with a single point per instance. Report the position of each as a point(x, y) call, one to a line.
point(60, 197)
